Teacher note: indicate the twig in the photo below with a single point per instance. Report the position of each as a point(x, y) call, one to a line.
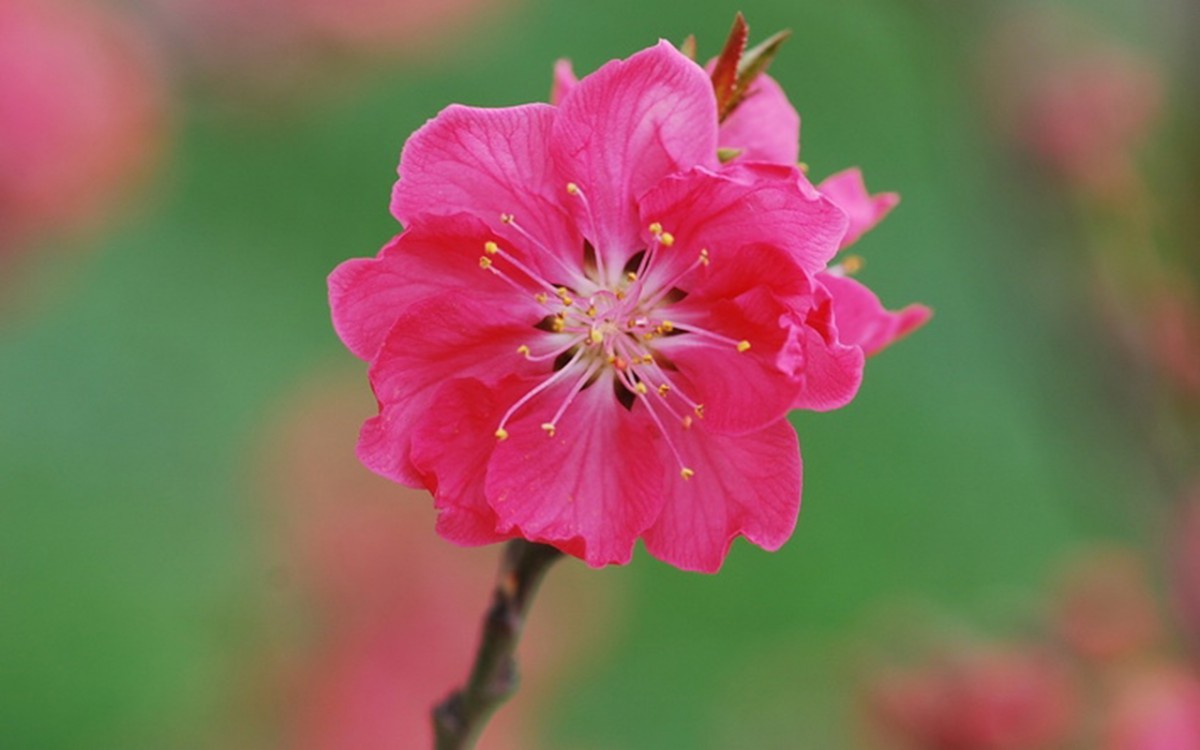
point(459, 720)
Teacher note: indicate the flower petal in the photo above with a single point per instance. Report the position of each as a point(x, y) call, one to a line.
point(433, 342)
point(489, 162)
point(624, 128)
point(564, 80)
point(743, 486)
point(864, 210)
point(764, 127)
point(451, 445)
point(435, 258)
point(832, 370)
point(750, 203)
point(862, 319)
point(589, 490)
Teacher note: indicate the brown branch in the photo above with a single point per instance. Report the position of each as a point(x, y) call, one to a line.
point(459, 720)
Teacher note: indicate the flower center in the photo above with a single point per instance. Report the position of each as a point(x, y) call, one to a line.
point(610, 330)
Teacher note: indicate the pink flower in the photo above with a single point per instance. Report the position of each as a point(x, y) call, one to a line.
point(590, 331)
point(985, 698)
point(81, 115)
point(1156, 710)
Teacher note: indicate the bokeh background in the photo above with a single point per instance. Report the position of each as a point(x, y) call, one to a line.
point(998, 546)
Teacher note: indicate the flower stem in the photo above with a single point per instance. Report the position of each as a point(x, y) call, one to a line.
point(459, 720)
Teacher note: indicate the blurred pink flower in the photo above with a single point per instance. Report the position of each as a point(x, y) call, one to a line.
point(1103, 607)
point(1078, 104)
point(1185, 560)
point(82, 115)
point(288, 43)
point(1156, 710)
point(980, 698)
point(393, 612)
point(590, 332)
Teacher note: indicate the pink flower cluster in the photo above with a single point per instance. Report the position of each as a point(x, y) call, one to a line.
point(592, 328)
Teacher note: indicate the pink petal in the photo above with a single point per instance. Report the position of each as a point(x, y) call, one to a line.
point(743, 486)
point(564, 80)
point(624, 128)
point(451, 446)
point(592, 488)
point(832, 370)
point(862, 320)
point(431, 343)
point(744, 204)
point(489, 162)
point(864, 210)
point(439, 258)
point(754, 295)
point(764, 127)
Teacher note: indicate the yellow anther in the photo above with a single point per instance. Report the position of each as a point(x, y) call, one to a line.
point(743, 345)
point(687, 422)
point(502, 434)
point(647, 359)
point(485, 262)
point(559, 325)
point(491, 248)
point(699, 410)
point(640, 387)
point(549, 428)
point(704, 257)
point(852, 264)
point(595, 336)
point(591, 311)
point(541, 297)
point(610, 359)
point(523, 350)
point(567, 301)
point(507, 218)
point(802, 166)
point(667, 326)
point(620, 294)
point(572, 188)
point(656, 228)
point(631, 276)
point(648, 336)
point(664, 389)
point(667, 239)
point(686, 473)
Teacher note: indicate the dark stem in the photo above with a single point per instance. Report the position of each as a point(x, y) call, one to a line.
point(459, 720)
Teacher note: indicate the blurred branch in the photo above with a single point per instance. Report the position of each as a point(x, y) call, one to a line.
point(459, 720)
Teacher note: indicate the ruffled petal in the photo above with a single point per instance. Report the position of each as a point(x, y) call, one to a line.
point(489, 162)
point(764, 127)
point(451, 446)
point(832, 370)
point(756, 296)
point(432, 343)
point(849, 192)
point(862, 319)
point(624, 128)
point(743, 486)
point(433, 258)
point(744, 204)
point(589, 490)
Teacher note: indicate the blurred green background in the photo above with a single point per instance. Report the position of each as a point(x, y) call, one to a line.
point(137, 385)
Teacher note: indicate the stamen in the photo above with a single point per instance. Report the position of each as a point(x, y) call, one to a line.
point(491, 248)
point(502, 434)
point(684, 471)
point(550, 426)
point(554, 378)
point(741, 345)
point(553, 354)
point(571, 273)
point(665, 289)
point(575, 191)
